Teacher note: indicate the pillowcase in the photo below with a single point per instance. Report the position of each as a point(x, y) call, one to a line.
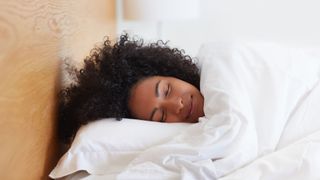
point(108, 145)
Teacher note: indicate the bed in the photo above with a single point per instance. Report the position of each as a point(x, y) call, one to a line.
point(261, 122)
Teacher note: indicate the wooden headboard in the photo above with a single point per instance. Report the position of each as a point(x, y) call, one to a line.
point(34, 37)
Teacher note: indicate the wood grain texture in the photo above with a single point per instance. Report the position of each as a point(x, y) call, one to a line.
point(35, 36)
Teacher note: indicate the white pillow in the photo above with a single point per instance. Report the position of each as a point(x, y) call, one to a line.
point(108, 145)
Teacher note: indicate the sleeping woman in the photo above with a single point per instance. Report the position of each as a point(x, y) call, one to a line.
point(132, 80)
point(254, 101)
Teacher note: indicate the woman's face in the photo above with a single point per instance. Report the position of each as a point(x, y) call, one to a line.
point(166, 99)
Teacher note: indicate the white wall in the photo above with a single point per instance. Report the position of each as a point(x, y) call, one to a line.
point(286, 21)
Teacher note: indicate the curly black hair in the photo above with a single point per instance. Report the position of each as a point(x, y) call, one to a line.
point(102, 87)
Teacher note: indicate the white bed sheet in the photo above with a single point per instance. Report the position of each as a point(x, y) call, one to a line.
point(298, 161)
point(297, 156)
point(257, 98)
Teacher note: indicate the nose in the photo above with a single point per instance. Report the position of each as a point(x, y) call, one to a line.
point(174, 105)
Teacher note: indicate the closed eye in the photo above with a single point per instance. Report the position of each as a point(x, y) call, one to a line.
point(163, 117)
point(167, 90)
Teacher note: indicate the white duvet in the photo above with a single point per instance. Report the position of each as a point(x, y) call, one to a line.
point(262, 119)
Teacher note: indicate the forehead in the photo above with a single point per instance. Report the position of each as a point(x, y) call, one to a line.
point(145, 85)
point(142, 96)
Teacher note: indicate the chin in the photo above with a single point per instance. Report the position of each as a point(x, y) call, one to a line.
point(195, 120)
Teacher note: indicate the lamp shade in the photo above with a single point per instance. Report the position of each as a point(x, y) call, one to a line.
point(160, 10)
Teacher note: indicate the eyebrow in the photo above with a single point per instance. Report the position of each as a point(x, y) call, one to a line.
point(157, 95)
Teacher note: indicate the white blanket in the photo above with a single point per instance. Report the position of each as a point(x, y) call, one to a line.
point(261, 119)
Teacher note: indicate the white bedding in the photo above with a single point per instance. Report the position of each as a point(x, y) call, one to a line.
point(261, 120)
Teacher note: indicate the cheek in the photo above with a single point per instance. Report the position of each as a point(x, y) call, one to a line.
point(184, 91)
point(180, 88)
point(173, 118)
